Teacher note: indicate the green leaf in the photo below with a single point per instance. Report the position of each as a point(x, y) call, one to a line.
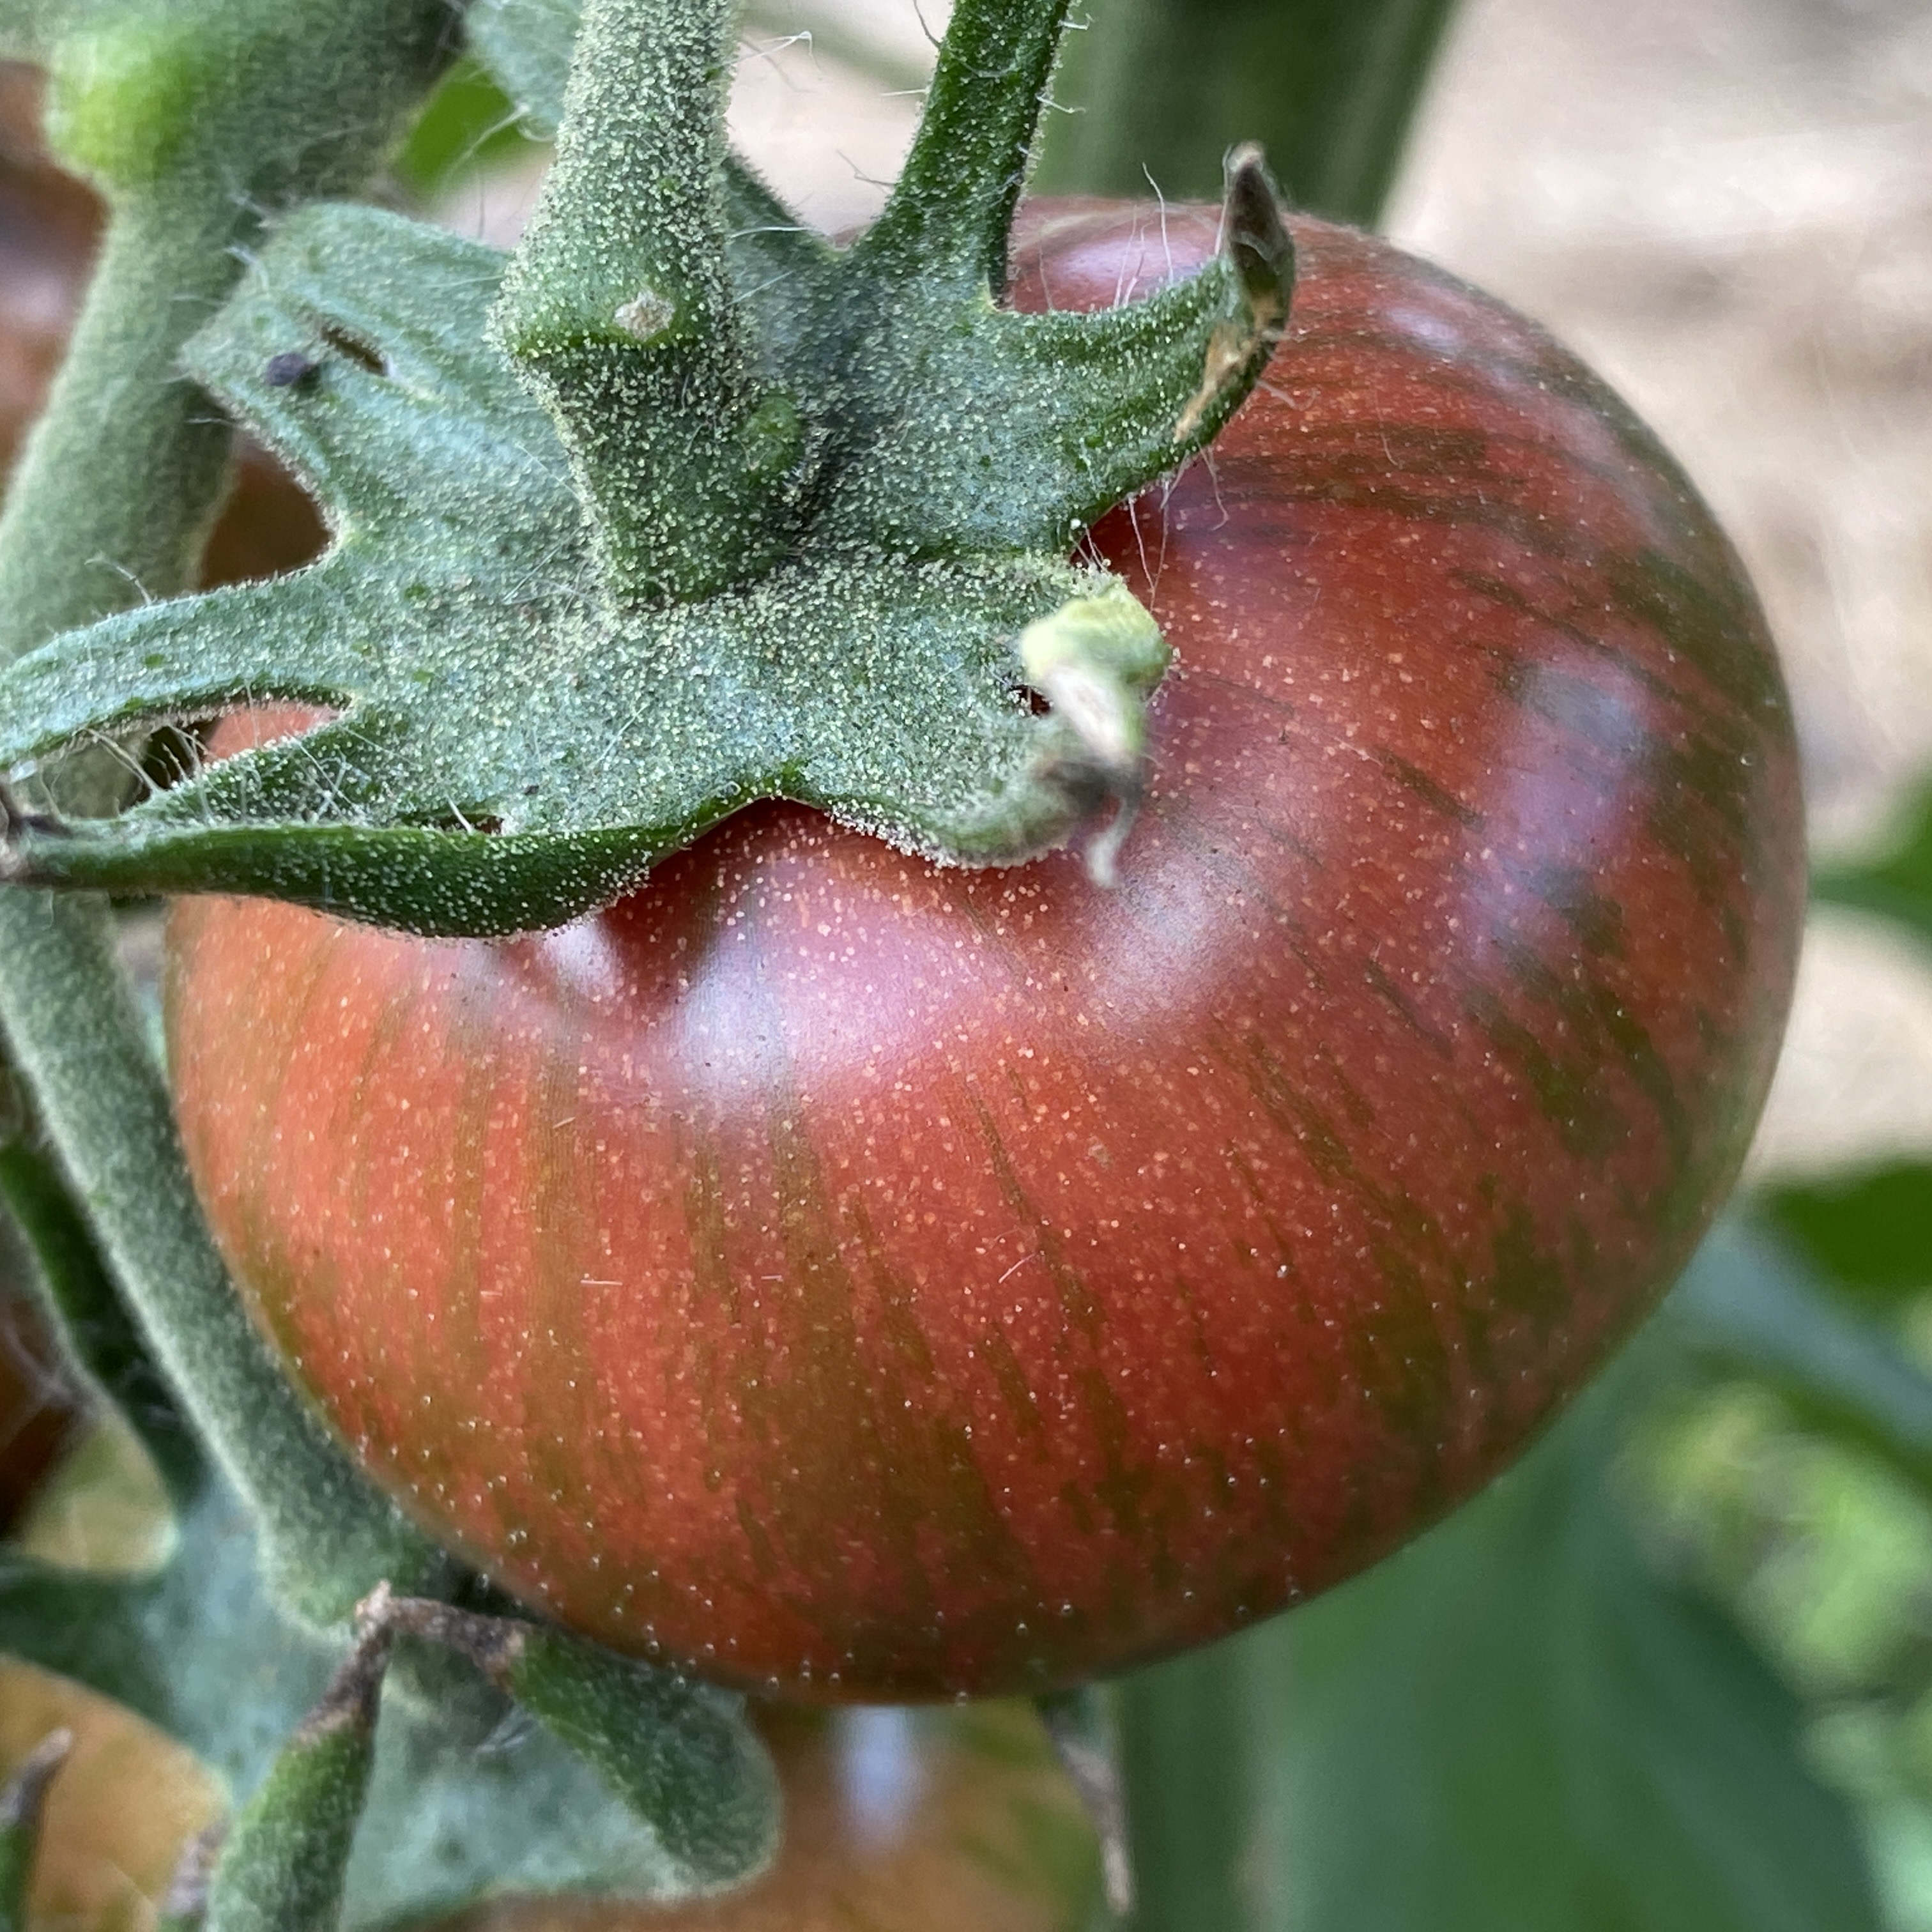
point(1896, 882)
point(1515, 1723)
point(526, 45)
point(678, 1751)
point(1754, 1307)
point(776, 531)
point(1868, 1230)
point(468, 122)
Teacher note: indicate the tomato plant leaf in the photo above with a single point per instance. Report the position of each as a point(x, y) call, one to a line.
point(1516, 1721)
point(1896, 881)
point(775, 524)
point(708, 1785)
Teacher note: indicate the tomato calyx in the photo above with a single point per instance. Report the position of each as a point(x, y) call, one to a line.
point(678, 507)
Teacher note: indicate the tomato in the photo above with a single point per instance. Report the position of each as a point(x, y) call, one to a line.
point(854, 1279)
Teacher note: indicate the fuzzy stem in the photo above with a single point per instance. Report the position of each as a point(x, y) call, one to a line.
point(116, 486)
point(1085, 1733)
point(618, 310)
point(119, 481)
point(1197, 1775)
point(123, 470)
point(1162, 87)
point(79, 1296)
point(327, 1535)
point(954, 200)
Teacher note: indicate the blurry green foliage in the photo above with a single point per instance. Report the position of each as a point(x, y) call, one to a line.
point(469, 124)
point(1897, 881)
point(1523, 1720)
point(1869, 1231)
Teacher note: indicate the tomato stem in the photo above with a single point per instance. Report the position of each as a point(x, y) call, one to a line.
point(1158, 89)
point(195, 129)
point(619, 307)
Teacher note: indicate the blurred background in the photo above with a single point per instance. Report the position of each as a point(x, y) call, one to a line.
point(1675, 1671)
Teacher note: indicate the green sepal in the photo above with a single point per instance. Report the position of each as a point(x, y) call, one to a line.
point(1084, 1724)
point(284, 1865)
point(528, 721)
point(22, 1801)
point(462, 1801)
point(775, 262)
point(679, 1753)
point(662, 1743)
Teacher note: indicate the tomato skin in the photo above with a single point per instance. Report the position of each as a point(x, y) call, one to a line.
point(857, 1279)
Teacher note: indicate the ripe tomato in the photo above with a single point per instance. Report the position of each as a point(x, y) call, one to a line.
point(855, 1279)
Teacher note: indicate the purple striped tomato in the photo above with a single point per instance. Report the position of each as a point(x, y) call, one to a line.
point(855, 1279)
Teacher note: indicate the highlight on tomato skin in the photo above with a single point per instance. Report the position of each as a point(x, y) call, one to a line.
point(857, 1280)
